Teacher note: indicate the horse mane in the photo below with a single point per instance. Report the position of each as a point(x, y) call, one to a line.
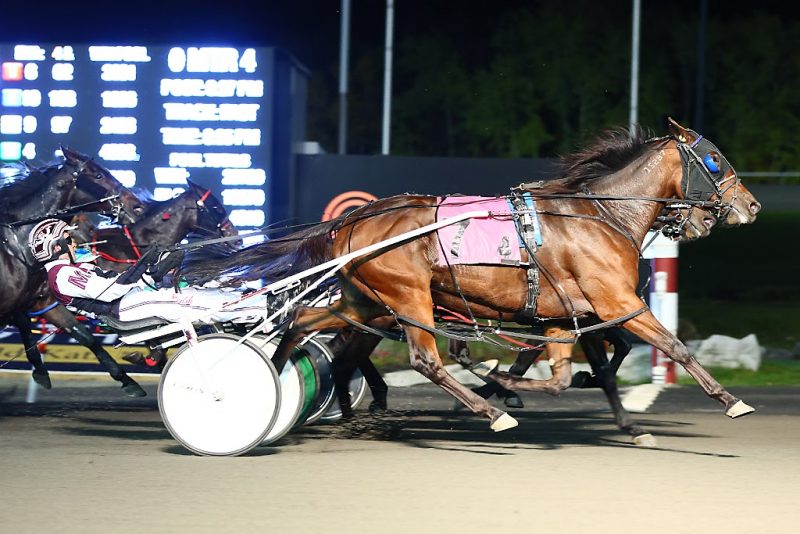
point(611, 151)
point(22, 183)
point(269, 261)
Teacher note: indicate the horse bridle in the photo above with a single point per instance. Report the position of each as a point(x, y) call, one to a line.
point(114, 201)
point(221, 227)
point(703, 177)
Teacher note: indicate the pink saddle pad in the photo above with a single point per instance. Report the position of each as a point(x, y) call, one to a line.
point(487, 240)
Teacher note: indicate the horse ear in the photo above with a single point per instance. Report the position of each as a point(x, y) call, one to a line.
point(72, 156)
point(684, 135)
point(192, 185)
point(69, 155)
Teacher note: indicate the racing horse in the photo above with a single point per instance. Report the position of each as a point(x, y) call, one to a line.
point(55, 191)
point(352, 347)
point(595, 219)
point(163, 223)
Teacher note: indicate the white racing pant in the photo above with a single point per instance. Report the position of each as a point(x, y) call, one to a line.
point(192, 304)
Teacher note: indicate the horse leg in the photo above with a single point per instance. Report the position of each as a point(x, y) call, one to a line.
point(622, 347)
point(62, 318)
point(342, 369)
point(522, 363)
point(377, 386)
point(647, 327)
point(40, 374)
point(425, 360)
point(560, 359)
point(458, 351)
point(605, 377)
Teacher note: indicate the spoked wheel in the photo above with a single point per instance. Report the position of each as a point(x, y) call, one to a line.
point(219, 397)
point(358, 385)
point(299, 389)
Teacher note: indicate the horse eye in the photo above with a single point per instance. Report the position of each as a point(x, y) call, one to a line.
point(711, 162)
point(98, 176)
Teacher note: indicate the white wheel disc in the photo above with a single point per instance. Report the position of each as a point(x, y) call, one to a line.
point(218, 397)
point(292, 392)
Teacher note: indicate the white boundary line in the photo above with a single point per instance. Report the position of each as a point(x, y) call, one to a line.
point(639, 398)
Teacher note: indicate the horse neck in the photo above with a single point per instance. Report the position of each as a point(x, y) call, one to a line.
point(650, 176)
point(156, 230)
point(49, 198)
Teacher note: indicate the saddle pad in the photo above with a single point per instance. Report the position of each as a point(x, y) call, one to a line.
point(477, 241)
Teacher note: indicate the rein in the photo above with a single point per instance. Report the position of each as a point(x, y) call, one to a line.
point(71, 210)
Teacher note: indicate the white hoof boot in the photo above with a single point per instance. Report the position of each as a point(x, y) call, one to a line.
point(739, 409)
point(645, 440)
point(484, 368)
point(504, 422)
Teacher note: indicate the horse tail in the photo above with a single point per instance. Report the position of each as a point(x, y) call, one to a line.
point(271, 260)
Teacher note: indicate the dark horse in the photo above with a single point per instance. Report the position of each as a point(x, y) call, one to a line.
point(56, 191)
point(195, 211)
point(595, 219)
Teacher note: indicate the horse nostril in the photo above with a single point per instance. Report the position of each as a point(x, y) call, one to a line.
point(709, 222)
point(755, 207)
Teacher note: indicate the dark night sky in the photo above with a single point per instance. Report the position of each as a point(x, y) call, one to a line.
point(308, 29)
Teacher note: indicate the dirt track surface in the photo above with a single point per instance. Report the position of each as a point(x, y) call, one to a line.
point(85, 459)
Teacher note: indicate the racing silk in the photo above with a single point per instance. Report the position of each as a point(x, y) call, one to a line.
point(69, 281)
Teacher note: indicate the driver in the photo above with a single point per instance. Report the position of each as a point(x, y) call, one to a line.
point(130, 296)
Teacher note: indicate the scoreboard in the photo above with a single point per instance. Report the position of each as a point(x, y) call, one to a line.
point(154, 116)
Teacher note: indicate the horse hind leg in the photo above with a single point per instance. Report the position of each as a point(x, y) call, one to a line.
point(40, 374)
point(62, 318)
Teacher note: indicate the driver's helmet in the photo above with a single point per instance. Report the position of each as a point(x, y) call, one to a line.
point(47, 240)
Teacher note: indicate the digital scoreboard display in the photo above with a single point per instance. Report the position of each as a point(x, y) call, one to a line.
point(154, 116)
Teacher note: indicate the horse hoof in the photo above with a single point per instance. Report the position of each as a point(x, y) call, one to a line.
point(513, 401)
point(376, 406)
point(484, 368)
point(135, 358)
point(504, 422)
point(580, 379)
point(645, 440)
point(133, 389)
point(42, 378)
point(739, 409)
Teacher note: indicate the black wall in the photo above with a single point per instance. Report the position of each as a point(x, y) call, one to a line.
point(320, 178)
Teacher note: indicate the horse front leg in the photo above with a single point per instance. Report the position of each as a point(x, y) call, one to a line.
point(62, 318)
point(605, 376)
point(40, 374)
point(647, 327)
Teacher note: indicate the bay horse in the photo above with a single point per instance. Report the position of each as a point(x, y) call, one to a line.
point(352, 347)
point(54, 191)
point(163, 223)
point(595, 219)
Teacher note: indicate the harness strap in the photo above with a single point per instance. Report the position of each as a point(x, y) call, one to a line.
point(130, 240)
point(388, 334)
point(43, 310)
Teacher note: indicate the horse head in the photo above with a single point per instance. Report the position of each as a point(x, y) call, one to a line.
point(94, 183)
point(709, 177)
point(210, 217)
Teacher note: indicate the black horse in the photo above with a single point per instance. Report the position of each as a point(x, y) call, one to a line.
point(195, 211)
point(55, 191)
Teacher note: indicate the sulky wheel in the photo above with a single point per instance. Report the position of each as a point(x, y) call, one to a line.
point(219, 397)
